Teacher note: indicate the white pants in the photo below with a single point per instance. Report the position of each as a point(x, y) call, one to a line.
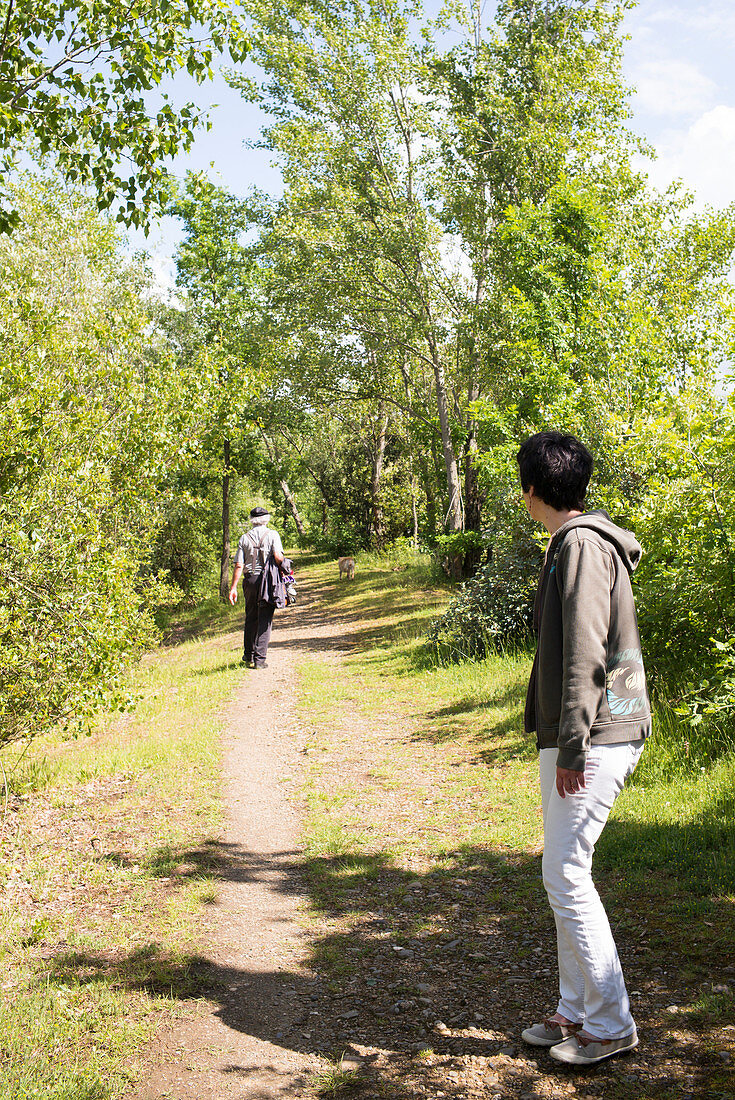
point(591, 985)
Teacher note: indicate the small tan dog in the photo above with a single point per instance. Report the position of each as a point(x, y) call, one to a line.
point(346, 566)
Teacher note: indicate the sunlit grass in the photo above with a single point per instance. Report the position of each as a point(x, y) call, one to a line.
point(444, 750)
point(105, 947)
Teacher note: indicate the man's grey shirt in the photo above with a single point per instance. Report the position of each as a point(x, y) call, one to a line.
point(254, 548)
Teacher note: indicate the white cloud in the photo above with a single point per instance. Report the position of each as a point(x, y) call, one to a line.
point(670, 87)
point(702, 155)
point(715, 19)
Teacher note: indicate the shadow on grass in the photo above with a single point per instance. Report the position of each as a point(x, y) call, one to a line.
point(468, 942)
point(362, 619)
point(472, 719)
point(226, 666)
point(207, 619)
point(359, 620)
point(692, 862)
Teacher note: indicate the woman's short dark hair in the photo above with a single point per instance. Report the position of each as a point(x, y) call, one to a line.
point(559, 468)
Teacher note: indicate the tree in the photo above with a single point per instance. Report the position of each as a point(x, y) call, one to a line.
point(400, 163)
point(74, 87)
point(524, 105)
point(354, 226)
point(224, 301)
point(88, 417)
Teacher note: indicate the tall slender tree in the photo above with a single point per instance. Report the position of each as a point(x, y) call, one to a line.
point(221, 278)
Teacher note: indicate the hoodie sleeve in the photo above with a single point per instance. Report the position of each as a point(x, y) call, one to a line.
point(585, 574)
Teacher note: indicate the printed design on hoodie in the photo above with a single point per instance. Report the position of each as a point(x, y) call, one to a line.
point(626, 684)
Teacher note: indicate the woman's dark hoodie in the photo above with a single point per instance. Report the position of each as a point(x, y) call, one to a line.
point(587, 682)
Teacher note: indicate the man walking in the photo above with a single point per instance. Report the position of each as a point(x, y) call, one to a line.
point(587, 704)
point(253, 552)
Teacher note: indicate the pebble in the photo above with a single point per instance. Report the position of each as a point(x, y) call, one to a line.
point(510, 1051)
point(351, 1015)
point(721, 988)
point(423, 987)
point(672, 1008)
point(350, 1063)
point(724, 1056)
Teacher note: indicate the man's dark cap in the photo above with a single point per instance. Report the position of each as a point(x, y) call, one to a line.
point(259, 512)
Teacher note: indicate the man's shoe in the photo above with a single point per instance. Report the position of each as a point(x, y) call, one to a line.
point(548, 1033)
point(247, 661)
point(578, 1050)
point(264, 665)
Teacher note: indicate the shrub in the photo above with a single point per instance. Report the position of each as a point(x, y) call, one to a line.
point(495, 607)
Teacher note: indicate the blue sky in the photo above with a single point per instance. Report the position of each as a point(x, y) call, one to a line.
point(679, 58)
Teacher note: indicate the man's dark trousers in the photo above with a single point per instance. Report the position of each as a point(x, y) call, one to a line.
point(258, 622)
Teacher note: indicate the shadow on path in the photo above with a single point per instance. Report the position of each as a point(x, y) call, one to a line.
point(456, 958)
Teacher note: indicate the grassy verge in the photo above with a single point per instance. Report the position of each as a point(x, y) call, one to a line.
point(424, 832)
point(104, 872)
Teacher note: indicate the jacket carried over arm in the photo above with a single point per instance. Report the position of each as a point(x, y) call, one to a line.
point(272, 588)
point(587, 683)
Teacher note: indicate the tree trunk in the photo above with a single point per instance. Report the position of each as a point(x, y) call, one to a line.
point(428, 482)
point(224, 568)
point(472, 498)
point(287, 494)
point(415, 514)
point(291, 504)
point(377, 524)
point(473, 501)
point(453, 522)
point(454, 511)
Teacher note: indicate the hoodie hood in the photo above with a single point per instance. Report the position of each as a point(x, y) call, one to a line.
point(628, 548)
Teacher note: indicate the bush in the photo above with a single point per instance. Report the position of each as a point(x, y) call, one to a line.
point(343, 538)
point(83, 417)
point(495, 607)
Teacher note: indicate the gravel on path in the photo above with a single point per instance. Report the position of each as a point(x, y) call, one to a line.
point(229, 1045)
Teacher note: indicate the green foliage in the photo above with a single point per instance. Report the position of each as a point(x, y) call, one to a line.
point(682, 506)
point(459, 543)
point(84, 425)
point(495, 607)
point(215, 325)
point(186, 543)
point(715, 697)
point(75, 83)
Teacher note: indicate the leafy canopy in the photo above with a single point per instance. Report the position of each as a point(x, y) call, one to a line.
point(74, 79)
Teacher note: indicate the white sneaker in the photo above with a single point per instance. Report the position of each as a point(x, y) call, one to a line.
point(548, 1033)
point(578, 1050)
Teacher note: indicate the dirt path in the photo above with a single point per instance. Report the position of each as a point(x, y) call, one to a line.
point(426, 968)
point(236, 1042)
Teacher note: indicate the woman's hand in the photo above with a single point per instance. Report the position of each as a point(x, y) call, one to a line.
point(568, 781)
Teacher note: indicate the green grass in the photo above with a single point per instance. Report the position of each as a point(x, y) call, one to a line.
point(422, 800)
point(446, 772)
point(334, 1081)
point(107, 867)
